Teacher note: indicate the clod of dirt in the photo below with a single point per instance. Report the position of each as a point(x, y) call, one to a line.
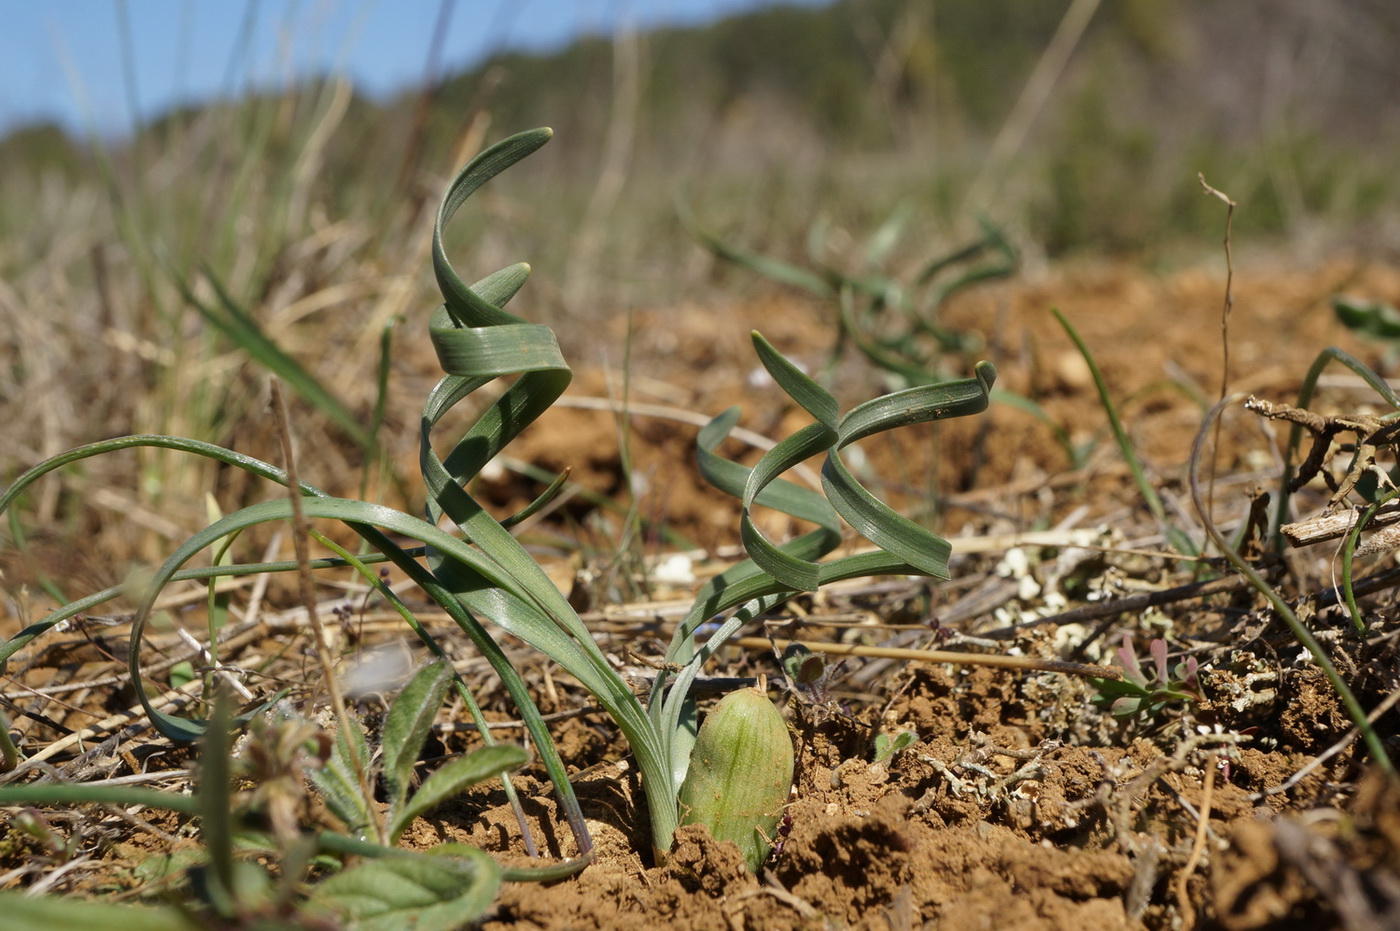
point(1327, 869)
point(706, 865)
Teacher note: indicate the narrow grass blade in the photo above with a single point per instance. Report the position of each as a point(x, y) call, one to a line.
point(376, 421)
point(884, 239)
point(992, 238)
point(781, 272)
point(20, 541)
point(128, 796)
point(1076, 456)
point(214, 794)
point(1174, 535)
point(1002, 265)
point(240, 328)
point(1348, 554)
point(815, 241)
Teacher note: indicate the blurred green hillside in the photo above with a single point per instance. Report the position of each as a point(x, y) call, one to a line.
point(1292, 106)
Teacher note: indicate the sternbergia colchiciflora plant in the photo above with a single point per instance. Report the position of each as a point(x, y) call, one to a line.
point(486, 581)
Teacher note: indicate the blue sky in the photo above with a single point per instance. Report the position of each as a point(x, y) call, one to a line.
point(80, 62)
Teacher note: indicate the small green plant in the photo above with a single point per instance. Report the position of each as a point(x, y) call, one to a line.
point(887, 747)
point(1371, 319)
point(349, 768)
point(441, 888)
point(893, 322)
point(479, 572)
point(805, 670)
point(1144, 693)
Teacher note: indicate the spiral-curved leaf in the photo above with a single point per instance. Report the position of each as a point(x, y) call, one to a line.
point(872, 518)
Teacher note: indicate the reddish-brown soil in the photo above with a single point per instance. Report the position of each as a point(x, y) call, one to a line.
point(1020, 804)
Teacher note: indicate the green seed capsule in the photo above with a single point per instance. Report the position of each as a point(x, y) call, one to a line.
point(740, 773)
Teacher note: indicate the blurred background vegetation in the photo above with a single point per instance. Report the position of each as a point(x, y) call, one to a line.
point(1076, 126)
point(1293, 106)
